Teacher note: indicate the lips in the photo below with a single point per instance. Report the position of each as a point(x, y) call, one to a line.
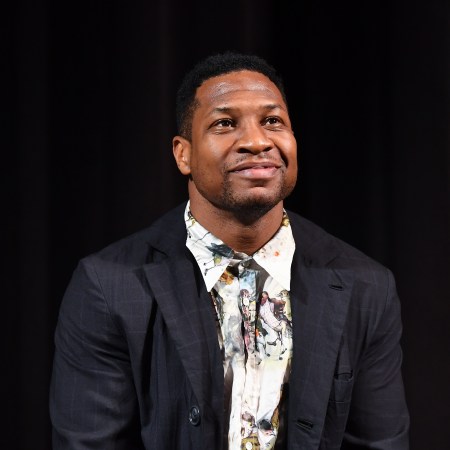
point(255, 165)
point(256, 169)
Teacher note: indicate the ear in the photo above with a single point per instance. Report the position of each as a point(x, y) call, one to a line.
point(182, 153)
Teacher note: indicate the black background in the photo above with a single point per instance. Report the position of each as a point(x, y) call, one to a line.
point(87, 122)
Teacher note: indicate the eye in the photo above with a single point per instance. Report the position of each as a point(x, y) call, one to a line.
point(224, 123)
point(272, 120)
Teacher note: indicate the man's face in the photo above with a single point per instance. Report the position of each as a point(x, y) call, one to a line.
point(243, 154)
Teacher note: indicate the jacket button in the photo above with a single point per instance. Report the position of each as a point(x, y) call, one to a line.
point(194, 416)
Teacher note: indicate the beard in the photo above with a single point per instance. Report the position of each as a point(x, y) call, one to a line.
point(251, 204)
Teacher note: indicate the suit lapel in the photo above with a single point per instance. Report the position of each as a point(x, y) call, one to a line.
point(189, 314)
point(320, 297)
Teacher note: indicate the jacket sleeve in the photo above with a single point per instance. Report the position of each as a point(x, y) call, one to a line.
point(92, 398)
point(379, 416)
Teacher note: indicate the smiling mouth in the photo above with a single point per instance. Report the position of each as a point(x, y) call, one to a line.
point(258, 171)
point(256, 164)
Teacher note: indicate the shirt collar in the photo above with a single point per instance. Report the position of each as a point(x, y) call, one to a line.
point(213, 256)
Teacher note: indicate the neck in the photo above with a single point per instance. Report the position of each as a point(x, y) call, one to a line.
point(243, 234)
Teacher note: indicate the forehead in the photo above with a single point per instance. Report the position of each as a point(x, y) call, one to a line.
point(235, 85)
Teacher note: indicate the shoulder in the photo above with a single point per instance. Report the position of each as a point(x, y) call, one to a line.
point(319, 248)
point(163, 236)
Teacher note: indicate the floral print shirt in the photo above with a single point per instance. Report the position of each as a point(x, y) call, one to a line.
point(251, 297)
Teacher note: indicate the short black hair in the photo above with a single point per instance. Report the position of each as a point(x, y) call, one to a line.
point(213, 66)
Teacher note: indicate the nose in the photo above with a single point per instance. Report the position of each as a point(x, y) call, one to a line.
point(254, 139)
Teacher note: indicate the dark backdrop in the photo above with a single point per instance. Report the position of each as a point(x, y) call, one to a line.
point(89, 116)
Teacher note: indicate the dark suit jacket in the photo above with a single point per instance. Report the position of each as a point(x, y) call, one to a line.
point(137, 362)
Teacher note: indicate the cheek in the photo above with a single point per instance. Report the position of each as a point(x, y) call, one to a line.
point(288, 147)
point(289, 153)
point(209, 156)
point(291, 146)
point(206, 167)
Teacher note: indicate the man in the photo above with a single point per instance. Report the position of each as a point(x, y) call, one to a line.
point(161, 340)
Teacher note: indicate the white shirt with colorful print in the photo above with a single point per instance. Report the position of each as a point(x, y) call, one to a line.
point(251, 297)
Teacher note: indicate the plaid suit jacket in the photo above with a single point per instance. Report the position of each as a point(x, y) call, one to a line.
point(137, 363)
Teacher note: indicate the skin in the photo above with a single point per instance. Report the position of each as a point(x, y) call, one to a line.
point(241, 159)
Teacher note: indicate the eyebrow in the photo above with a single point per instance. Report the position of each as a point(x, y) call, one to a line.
point(227, 109)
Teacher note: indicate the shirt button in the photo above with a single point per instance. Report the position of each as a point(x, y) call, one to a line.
point(194, 416)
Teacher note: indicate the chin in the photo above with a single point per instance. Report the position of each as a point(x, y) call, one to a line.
point(257, 198)
point(252, 206)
